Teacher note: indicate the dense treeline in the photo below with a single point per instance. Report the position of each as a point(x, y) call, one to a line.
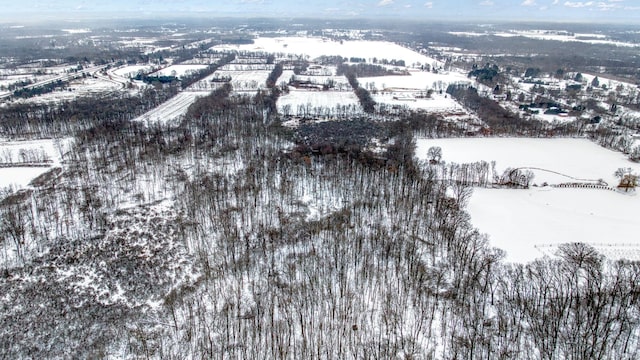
point(199, 75)
point(349, 136)
point(548, 56)
point(151, 79)
point(44, 120)
point(274, 75)
point(363, 70)
point(487, 75)
point(187, 79)
point(39, 90)
point(218, 99)
point(364, 97)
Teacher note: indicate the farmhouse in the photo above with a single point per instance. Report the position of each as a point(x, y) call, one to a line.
point(628, 181)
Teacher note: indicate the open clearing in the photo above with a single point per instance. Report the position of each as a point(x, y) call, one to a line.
point(179, 70)
point(173, 109)
point(305, 102)
point(438, 103)
point(243, 81)
point(19, 157)
point(416, 80)
point(530, 223)
point(315, 47)
point(88, 86)
point(132, 70)
point(577, 158)
point(410, 90)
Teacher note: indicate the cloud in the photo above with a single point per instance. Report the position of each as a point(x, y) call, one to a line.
point(429, 5)
point(606, 7)
point(600, 5)
point(528, 3)
point(487, 3)
point(555, 2)
point(385, 2)
point(578, 4)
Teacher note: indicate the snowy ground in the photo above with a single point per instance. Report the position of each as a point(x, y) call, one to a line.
point(39, 74)
point(315, 47)
point(438, 103)
point(132, 70)
point(553, 118)
point(603, 218)
point(410, 90)
point(610, 84)
point(301, 102)
point(247, 67)
point(243, 81)
point(578, 158)
point(179, 70)
point(203, 60)
point(88, 86)
point(541, 116)
point(173, 109)
point(339, 82)
point(286, 76)
point(417, 80)
point(531, 223)
point(6, 80)
point(17, 176)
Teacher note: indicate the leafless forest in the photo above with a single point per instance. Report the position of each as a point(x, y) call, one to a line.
point(227, 235)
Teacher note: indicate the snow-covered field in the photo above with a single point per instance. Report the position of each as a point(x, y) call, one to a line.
point(13, 154)
point(304, 102)
point(6, 80)
point(172, 109)
point(417, 80)
point(132, 70)
point(246, 80)
point(179, 70)
point(530, 223)
point(438, 103)
point(315, 47)
point(339, 82)
point(36, 73)
point(286, 76)
point(577, 158)
point(410, 90)
point(553, 118)
point(247, 67)
point(611, 84)
point(81, 87)
point(202, 60)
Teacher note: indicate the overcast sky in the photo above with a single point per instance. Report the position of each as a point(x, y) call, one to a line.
point(490, 10)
